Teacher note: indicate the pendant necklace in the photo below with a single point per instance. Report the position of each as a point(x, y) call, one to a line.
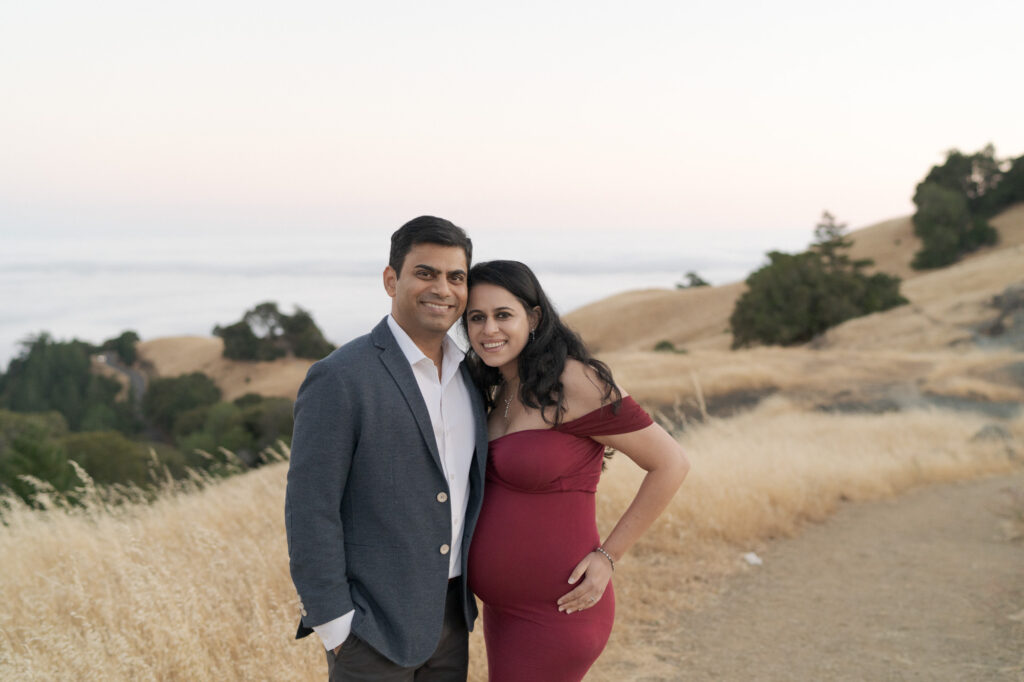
point(508, 404)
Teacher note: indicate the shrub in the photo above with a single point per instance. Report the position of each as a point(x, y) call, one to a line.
point(265, 333)
point(29, 448)
point(109, 457)
point(666, 346)
point(167, 398)
point(692, 280)
point(794, 298)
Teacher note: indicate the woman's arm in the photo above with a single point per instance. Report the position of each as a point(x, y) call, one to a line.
point(655, 451)
point(661, 456)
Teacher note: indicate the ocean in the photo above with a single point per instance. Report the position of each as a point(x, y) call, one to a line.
point(184, 282)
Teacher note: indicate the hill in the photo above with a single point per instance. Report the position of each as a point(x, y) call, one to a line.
point(927, 353)
point(172, 356)
point(699, 318)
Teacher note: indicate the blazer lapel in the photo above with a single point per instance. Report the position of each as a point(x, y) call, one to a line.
point(398, 366)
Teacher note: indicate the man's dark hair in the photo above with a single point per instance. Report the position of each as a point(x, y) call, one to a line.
point(427, 230)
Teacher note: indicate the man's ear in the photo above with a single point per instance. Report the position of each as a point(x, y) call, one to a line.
point(390, 281)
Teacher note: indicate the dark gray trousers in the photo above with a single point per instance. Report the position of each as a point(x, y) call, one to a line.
point(358, 661)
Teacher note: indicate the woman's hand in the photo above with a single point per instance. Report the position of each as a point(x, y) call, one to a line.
point(596, 571)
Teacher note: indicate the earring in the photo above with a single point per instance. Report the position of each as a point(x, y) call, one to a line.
point(533, 337)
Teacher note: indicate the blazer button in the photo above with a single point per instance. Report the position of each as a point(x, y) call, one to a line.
point(445, 549)
point(442, 496)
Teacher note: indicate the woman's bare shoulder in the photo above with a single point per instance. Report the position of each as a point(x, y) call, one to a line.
point(585, 391)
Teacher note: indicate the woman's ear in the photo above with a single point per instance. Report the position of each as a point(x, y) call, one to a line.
point(534, 316)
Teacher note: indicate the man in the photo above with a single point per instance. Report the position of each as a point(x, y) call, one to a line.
point(386, 477)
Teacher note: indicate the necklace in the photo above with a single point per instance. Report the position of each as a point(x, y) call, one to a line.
point(508, 404)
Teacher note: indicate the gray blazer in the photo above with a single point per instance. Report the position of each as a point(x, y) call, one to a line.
point(363, 514)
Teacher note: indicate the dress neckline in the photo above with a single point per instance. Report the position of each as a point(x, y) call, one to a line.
point(552, 428)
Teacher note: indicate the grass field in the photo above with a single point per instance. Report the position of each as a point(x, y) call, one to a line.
point(195, 586)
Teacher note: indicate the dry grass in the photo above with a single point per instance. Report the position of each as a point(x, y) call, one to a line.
point(637, 320)
point(815, 377)
point(172, 356)
point(946, 307)
point(195, 586)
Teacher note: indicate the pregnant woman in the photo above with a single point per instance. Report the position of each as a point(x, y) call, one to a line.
point(536, 560)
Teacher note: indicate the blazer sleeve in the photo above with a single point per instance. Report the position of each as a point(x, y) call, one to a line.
point(323, 443)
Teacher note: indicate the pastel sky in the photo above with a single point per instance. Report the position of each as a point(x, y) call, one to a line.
point(732, 116)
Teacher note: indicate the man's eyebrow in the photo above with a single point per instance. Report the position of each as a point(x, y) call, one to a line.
point(434, 271)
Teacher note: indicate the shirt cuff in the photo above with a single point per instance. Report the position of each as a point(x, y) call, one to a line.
point(336, 631)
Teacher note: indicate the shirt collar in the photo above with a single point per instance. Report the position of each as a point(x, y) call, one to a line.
point(453, 355)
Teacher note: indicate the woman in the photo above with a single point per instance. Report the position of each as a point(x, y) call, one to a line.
point(536, 560)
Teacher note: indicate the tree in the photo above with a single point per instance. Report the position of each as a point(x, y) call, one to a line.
point(954, 202)
point(29, 448)
point(794, 298)
point(692, 280)
point(942, 221)
point(166, 398)
point(240, 343)
point(265, 333)
point(303, 336)
point(1010, 189)
point(57, 375)
point(831, 244)
point(124, 346)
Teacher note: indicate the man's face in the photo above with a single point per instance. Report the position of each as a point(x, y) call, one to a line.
point(429, 295)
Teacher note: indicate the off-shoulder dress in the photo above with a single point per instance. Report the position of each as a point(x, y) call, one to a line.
point(538, 521)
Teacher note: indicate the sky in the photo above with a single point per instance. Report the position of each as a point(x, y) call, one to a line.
point(700, 117)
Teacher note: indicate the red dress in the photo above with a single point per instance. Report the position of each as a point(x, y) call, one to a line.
point(537, 522)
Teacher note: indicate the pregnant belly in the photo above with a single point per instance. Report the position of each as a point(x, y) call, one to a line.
point(526, 545)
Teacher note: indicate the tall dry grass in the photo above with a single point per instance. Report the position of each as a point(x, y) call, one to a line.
point(195, 586)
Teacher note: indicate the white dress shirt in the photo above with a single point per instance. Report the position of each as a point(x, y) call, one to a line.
point(450, 406)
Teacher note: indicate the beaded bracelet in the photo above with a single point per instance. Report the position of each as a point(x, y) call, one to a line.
point(607, 555)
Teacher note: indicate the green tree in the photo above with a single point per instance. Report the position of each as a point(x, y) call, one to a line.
point(1010, 189)
point(942, 221)
point(166, 398)
point(794, 298)
point(240, 343)
point(303, 336)
point(692, 280)
point(29, 448)
point(246, 427)
point(124, 346)
point(265, 333)
point(954, 202)
point(57, 375)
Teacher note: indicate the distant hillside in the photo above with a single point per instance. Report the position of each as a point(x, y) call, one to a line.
point(923, 353)
point(172, 356)
point(699, 318)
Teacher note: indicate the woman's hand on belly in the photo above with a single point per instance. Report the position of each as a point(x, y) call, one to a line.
point(596, 571)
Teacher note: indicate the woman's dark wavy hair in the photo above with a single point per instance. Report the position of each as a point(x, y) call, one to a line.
point(542, 360)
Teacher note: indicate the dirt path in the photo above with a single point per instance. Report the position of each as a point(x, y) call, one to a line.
point(928, 586)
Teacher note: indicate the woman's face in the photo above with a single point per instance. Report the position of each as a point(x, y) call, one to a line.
point(498, 326)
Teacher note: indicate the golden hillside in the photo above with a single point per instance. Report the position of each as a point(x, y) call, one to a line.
point(699, 318)
point(173, 356)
